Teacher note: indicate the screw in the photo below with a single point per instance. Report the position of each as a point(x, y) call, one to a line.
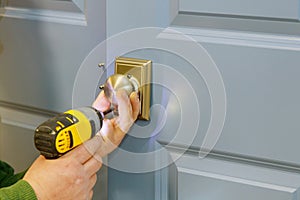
point(129, 76)
point(101, 65)
point(101, 87)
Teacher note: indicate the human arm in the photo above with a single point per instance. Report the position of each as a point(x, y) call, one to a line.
point(73, 175)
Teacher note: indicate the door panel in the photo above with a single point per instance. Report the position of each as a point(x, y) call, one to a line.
point(256, 49)
point(215, 179)
point(259, 114)
point(266, 8)
point(18, 154)
point(42, 50)
point(262, 102)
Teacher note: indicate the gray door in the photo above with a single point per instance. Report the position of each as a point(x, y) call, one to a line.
point(42, 46)
point(238, 106)
point(251, 49)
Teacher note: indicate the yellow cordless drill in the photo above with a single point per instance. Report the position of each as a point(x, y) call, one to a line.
point(67, 130)
point(60, 134)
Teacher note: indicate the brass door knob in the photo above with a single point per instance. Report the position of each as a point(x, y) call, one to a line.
point(116, 82)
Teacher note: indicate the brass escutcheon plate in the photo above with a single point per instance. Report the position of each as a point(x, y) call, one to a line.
point(141, 70)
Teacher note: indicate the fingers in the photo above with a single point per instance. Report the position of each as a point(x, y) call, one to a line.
point(91, 194)
point(80, 154)
point(101, 103)
point(93, 181)
point(84, 152)
point(92, 166)
point(136, 105)
point(125, 111)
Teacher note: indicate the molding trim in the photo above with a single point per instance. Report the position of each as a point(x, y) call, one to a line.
point(62, 17)
point(237, 38)
point(80, 4)
point(22, 117)
point(173, 9)
point(234, 172)
point(238, 180)
point(236, 158)
point(268, 8)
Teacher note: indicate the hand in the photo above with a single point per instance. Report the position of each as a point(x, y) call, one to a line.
point(69, 177)
point(73, 175)
point(114, 130)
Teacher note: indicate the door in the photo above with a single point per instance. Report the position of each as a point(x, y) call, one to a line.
point(224, 126)
point(42, 46)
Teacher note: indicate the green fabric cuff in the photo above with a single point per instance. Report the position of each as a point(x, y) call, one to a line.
point(12, 179)
point(20, 190)
point(7, 176)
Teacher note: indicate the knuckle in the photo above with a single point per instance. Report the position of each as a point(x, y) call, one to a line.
point(79, 179)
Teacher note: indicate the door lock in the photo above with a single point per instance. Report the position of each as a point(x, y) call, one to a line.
point(131, 75)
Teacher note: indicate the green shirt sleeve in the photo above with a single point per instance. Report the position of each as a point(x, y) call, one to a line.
point(18, 191)
point(12, 186)
point(8, 176)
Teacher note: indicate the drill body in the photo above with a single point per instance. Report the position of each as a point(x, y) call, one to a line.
point(60, 134)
